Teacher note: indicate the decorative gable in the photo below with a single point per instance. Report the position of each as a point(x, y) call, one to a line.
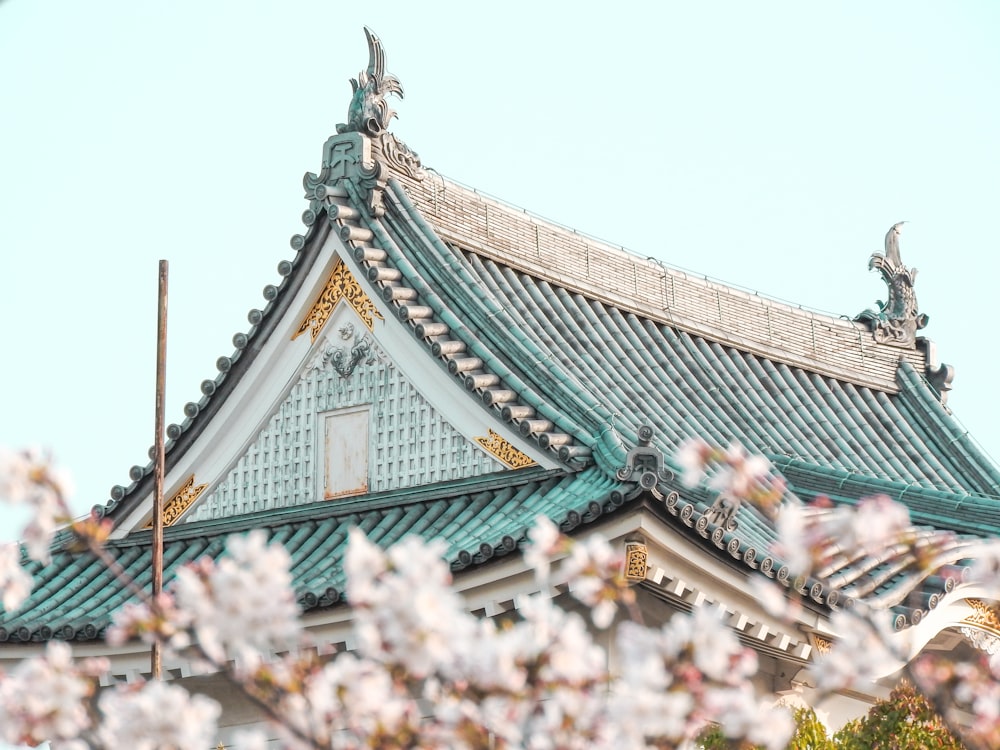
point(352, 423)
point(341, 286)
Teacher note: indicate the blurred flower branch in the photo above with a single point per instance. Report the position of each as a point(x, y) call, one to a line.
point(424, 672)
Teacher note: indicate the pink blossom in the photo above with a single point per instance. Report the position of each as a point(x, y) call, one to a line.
point(244, 604)
point(692, 458)
point(156, 716)
point(592, 570)
point(862, 652)
point(43, 699)
point(405, 609)
point(544, 541)
point(28, 477)
point(163, 623)
point(15, 583)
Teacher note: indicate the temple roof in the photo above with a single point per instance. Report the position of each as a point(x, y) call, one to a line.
point(594, 357)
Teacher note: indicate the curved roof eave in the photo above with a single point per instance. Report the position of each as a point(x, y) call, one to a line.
point(480, 519)
point(232, 368)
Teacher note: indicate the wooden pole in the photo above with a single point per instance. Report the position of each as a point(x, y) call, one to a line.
point(161, 376)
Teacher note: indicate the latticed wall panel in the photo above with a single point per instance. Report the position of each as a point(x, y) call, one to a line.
point(410, 443)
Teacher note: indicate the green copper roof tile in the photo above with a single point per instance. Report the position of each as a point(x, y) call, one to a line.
point(685, 385)
point(483, 323)
point(470, 516)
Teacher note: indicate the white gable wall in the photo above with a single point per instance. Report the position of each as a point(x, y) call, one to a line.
point(338, 434)
point(261, 449)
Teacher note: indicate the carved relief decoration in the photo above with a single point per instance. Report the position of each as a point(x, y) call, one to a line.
point(897, 320)
point(636, 557)
point(358, 349)
point(180, 501)
point(983, 616)
point(722, 512)
point(342, 285)
point(822, 645)
point(982, 627)
point(504, 451)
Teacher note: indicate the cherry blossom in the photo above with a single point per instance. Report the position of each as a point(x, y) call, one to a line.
point(731, 472)
point(595, 571)
point(153, 621)
point(15, 583)
point(544, 541)
point(243, 605)
point(963, 689)
point(44, 698)
point(156, 716)
point(18, 474)
point(405, 609)
point(29, 477)
point(425, 672)
point(865, 649)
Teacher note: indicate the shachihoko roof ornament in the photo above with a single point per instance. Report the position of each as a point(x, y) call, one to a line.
point(369, 112)
point(897, 320)
point(363, 148)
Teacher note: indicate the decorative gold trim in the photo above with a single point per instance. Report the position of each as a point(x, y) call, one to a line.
point(504, 451)
point(342, 285)
point(822, 645)
point(636, 556)
point(983, 616)
point(180, 501)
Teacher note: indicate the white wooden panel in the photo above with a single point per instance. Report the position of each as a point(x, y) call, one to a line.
point(345, 445)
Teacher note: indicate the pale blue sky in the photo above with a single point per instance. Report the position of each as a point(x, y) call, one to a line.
point(766, 144)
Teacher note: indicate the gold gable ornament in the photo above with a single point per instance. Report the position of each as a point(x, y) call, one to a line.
point(180, 501)
point(636, 561)
point(341, 286)
point(822, 645)
point(982, 627)
point(505, 452)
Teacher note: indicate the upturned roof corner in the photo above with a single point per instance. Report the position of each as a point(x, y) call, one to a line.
point(364, 151)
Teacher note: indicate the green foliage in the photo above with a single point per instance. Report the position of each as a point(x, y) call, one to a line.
point(904, 721)
point(810, 734)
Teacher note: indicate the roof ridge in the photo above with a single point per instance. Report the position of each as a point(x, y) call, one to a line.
point(832, 346)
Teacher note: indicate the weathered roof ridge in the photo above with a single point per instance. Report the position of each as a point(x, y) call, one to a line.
point(831, 346)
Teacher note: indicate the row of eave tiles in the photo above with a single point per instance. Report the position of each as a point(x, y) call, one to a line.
point(479, 520)
point(75, 595)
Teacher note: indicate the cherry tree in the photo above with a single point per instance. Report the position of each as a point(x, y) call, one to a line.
point(424, 671)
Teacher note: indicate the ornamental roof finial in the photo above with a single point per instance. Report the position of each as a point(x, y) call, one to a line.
point(369, 111)
point(364, 151)
point(897, 319)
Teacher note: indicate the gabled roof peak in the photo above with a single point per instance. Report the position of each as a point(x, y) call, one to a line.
point(363, 145)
